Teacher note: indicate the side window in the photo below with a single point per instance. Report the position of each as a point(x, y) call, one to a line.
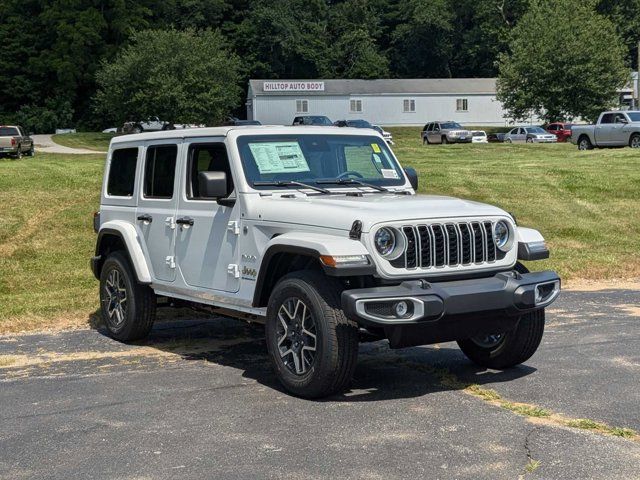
point(122, 172)
point(209, 157)
point(620, 118)
point(436, 127)
point(607, 118)
point(160, 171)
point(552, 128)
point(461, 104)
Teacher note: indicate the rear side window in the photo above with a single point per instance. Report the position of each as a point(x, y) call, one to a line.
point(160, 171)
point(122, 172)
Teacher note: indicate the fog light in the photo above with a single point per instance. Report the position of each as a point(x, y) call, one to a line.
point(401, 309)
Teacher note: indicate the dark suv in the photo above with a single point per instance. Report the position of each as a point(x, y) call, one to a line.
point(320, 120)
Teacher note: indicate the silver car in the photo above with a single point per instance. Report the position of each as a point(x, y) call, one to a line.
point(530, 135)
point(445, 132)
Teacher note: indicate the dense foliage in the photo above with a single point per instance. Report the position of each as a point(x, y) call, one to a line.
point(51, 50)
point(180, 76)
point(575, 72)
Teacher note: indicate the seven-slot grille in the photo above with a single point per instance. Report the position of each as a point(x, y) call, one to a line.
point(447, 244)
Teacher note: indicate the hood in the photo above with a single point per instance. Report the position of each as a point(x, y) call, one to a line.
point(340, 211)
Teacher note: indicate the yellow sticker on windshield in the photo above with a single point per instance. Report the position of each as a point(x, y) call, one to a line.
point(376, 147)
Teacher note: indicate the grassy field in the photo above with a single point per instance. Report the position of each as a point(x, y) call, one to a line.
point(586, 204)
point(89, 140)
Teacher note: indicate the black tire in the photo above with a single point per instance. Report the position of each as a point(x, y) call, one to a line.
point(137, 129)
point(584, 143)
point(529, 140)
point(634, 141)
point(514, 347)
point(425, 141)
point(445, 141)
point(336, 337)
point(31, 151)
point(18, 155)
point(136, 317)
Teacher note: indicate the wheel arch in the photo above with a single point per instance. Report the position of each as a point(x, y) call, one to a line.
point(302, 251)
point(117, 235)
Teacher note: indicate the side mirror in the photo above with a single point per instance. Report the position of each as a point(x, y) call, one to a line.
point(212, 184)
point(412, 175)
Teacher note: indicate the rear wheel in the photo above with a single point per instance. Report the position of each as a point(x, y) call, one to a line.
point(634, 141)
point(31, 151)
point(128, 309)
point(18, 154)
point(445, 140)
point(313, 347)
point(584, 143)
point(508, 140)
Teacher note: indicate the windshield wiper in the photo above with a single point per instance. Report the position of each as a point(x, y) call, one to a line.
point(289, 183)
point(351, 181)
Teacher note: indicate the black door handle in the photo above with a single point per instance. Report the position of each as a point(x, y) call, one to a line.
point(145, 218)
point(185, 221)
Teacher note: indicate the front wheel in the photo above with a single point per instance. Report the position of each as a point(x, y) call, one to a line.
point(128, 309)
point(313, 347)
point(634, 141)
point(529, 140)
point(506, 349)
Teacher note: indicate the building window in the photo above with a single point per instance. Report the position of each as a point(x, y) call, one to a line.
point(355, 106)
point(408, 105)
point(302, 106)
point(461, 105)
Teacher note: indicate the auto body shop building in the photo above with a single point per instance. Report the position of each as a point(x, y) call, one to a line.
point(470, 101)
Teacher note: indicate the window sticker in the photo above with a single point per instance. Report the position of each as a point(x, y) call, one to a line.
point(389, 173)
point(279, 157)
point(376, 147)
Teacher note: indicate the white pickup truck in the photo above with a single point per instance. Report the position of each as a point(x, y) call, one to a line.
point(614, 129)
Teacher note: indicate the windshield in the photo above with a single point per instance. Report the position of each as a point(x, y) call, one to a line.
point(634, 116)
point(313, 158)
point(450, 125)
point(535, 130)
point(319, 120)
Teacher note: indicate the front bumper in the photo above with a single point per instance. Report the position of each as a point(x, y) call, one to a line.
point(445, 311)
point(509, 293)
point(545, 140)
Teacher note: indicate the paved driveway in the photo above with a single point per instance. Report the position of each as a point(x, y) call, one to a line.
point(198, 400)
point(45, 143)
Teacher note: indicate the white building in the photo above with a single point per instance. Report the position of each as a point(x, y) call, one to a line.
point(470, 101)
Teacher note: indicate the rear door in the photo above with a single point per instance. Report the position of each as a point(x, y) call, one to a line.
point(155, 215)
point(207, 233)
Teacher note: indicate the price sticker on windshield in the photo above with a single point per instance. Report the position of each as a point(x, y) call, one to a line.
point(279, 157)
point(389, 173)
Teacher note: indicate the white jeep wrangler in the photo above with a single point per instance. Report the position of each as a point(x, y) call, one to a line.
point(318, 234)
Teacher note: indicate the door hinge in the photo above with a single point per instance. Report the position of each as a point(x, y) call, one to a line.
point(170, 222)
point(233, 270)
point(234, 227)
point(170, 261)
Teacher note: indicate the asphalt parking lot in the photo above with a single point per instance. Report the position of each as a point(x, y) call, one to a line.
point(198, 400)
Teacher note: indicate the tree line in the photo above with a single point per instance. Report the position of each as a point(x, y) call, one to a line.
point(63, 62)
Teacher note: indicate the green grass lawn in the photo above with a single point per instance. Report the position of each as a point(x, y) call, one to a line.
point(587, 205)
point(90, 140)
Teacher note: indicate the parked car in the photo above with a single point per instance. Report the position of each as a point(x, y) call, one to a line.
point(445, 132)
point(316, 234)
point(110, 130)
point(319, 120)
point(529, 135)
point(479, 136)
point(561, 130)
point(614, 129)
point(15, 142)
point(496, 137)
point(236, 122)
point(360, 123)
point(154, 124)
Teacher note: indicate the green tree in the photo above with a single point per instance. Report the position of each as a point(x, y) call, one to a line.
point(182, 77)
point(566, 60)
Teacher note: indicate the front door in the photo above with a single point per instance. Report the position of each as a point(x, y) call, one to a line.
point(207, 232)
point(155, 214)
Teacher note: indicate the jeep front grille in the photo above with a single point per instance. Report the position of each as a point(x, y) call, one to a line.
point(447, 244)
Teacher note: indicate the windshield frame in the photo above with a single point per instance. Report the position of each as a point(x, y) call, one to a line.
point(242, 142)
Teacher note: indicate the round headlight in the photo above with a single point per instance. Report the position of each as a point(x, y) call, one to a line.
point(385, 241)
point(501, 235)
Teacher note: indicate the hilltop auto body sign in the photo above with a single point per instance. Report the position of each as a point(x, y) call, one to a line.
point(293, 86)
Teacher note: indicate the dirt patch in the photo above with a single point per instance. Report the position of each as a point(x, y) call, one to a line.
point(584, 285)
